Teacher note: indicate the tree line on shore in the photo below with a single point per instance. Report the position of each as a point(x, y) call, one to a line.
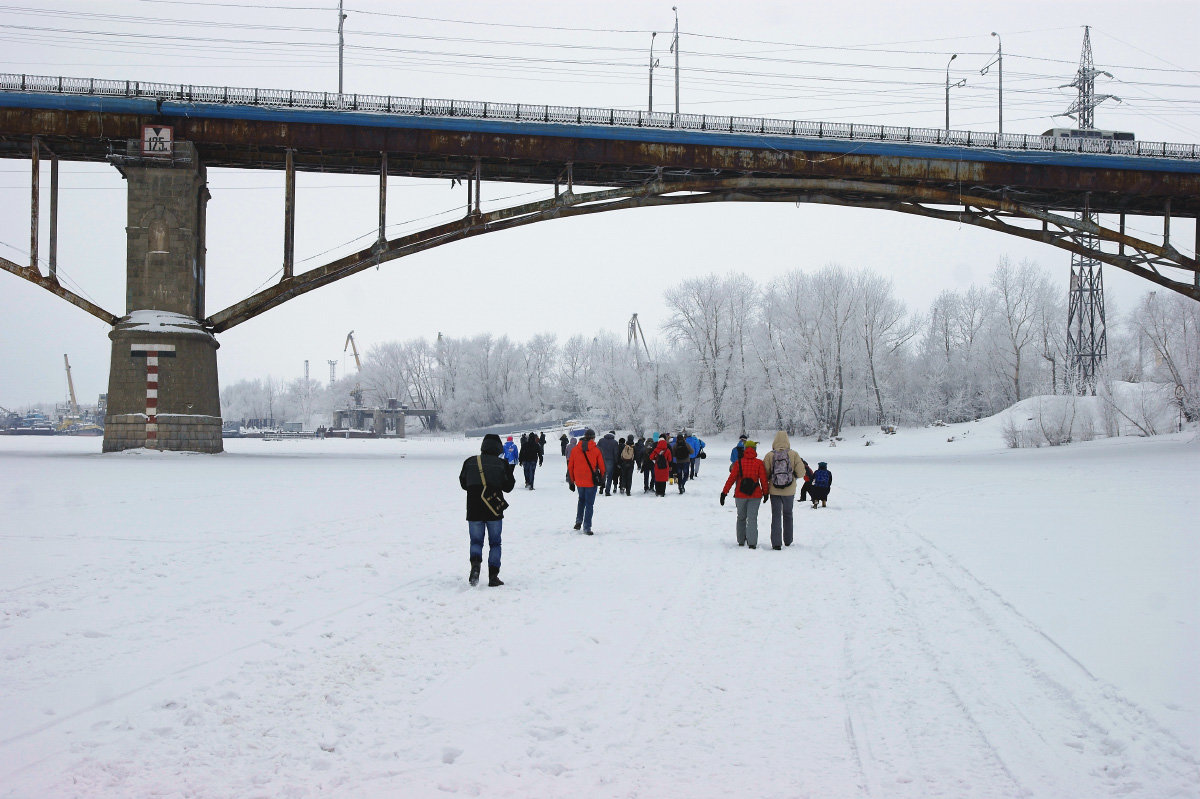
point(810, 352)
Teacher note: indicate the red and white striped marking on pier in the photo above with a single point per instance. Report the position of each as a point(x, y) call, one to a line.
point(152, 352)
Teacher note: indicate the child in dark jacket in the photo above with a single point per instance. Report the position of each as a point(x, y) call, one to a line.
point(808, 474)
point(822, 481)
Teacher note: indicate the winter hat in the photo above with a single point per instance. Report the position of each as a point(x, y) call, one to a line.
point(491, 445)
point(750, 443)
point(821, 465)
point(662, 436)
point(509, 438)
point(589, 433)
point(742, 437)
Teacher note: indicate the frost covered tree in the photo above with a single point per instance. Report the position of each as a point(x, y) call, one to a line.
point(884, 328)
point(708, 318)
point(1022, 295)
point(1171, 327)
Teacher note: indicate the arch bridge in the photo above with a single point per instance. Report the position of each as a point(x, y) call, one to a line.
point(1040, 188)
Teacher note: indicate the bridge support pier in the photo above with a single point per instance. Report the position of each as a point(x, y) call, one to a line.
point(162, 385)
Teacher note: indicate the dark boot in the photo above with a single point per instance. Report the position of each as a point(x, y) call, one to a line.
point(474, 578)
point(494, 576)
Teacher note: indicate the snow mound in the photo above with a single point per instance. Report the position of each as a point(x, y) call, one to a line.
point(1118, 409)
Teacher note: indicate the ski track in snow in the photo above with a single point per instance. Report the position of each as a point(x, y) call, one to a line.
point(336, 650)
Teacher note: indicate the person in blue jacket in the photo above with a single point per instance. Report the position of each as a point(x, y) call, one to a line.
point(697, 446)
point(510, 450)
point(736, 454)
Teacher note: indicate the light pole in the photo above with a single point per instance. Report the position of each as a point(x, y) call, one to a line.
point(341, 43)
point(675, 50)
point(962, 82)
point(653, 64)
point(999, 62)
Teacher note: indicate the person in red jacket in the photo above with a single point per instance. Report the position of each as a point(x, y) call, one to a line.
point(748, 478)
point(585, 472)
point(660, 461)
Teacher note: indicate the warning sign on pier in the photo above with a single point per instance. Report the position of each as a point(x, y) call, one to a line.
point(157, 139)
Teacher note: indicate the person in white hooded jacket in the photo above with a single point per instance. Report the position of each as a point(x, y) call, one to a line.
point(784, 468)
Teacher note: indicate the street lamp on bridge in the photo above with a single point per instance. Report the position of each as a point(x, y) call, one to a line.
point(675, 50)
point(962, 82)
point(999, 62)
point(653, 64)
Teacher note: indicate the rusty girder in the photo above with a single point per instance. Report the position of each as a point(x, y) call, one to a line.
point(564, 205)
point(1144, 259)
point(54, 287)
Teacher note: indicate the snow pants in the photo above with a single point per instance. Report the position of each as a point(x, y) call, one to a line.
point(818, 493)
point(781, 511)
point(583, 508)
point(530, 467)
point(493, 529)
point(610, 476)
point(747, 520)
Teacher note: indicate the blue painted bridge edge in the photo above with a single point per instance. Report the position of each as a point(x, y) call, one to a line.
point(151, 107)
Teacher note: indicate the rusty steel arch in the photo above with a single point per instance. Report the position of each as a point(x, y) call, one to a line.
point(1142, 258)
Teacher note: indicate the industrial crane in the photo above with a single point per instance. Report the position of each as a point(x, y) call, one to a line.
point(353, 348)
point(71, 387)
point(635, 333)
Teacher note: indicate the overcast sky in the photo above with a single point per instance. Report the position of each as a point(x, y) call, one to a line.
point(878, 62)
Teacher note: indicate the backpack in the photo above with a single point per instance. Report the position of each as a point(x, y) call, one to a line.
point(822, 478)
point(661, 461)
point(781, 469)
point(627, 453)
point(682, 452)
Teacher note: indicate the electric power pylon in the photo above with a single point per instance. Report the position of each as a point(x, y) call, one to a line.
point(1087, 343)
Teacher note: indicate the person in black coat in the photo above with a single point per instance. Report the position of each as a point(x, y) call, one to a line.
point(490, 468)
point(563, 443)
point(608, 449)
point(530, 457)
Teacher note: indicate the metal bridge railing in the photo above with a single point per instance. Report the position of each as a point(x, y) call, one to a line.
point(521, 112)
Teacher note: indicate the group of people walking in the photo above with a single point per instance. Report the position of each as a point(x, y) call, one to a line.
point(531, 454)
point(609, 464)
point(774, 479)
point(594, 466)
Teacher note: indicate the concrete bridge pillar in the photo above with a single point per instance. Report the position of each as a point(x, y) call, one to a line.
point(162, 381)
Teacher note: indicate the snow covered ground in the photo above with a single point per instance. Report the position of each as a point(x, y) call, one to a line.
point(292, 619)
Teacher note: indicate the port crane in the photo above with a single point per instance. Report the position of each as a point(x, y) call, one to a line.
point(353, 348)
point(71, 387)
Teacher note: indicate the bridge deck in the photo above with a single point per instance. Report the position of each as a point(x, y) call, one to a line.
point(91, 128)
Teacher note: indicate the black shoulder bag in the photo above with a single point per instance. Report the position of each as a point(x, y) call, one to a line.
point(494, 500)
point(597, 477)
point(747, 484)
